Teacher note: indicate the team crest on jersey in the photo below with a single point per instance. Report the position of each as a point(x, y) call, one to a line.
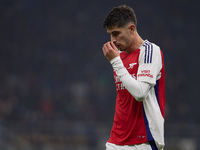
point(131, 65)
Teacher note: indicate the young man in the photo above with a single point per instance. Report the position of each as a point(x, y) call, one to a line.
point(140, 83)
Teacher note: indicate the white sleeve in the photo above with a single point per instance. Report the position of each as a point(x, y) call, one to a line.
point(150, 64)
point(136, 88)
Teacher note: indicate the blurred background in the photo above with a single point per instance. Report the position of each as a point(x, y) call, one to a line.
point(57, 90)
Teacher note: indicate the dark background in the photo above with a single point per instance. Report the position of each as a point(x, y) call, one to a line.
point(56, 88)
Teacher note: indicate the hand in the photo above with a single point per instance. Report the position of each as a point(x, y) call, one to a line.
point(110, 51)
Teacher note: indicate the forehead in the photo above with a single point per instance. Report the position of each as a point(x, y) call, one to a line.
point(117, 29)
point(114, 29)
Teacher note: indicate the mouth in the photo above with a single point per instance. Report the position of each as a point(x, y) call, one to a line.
point(118, 46)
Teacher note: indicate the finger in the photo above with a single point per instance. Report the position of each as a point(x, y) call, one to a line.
point(113, 45)
point(105, 47)
point(109, 46)
point(105, 50)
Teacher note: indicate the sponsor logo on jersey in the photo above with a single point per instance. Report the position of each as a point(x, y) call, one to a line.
point(119, 84)
point(145, 73)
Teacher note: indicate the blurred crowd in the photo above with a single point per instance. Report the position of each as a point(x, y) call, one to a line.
point(57, 89)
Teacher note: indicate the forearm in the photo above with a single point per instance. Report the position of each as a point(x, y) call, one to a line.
point(136, 88)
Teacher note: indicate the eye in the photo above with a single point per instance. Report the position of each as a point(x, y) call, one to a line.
point(115, 33)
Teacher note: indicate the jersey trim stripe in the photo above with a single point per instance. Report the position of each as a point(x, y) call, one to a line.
point(148, 52)
point(153, 145)
point(149, 135)
point(156, 92)
point(151, 52)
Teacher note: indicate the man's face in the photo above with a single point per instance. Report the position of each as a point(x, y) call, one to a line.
point(121, 37)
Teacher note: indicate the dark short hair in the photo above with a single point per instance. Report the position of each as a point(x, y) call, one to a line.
point(120, 16)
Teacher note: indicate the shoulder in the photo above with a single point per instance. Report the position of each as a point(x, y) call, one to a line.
point(149, 47)
point(148, 51)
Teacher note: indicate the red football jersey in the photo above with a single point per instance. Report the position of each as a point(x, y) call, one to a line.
point(137, 122)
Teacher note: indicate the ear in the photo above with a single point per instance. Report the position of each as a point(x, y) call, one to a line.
point(132, 27)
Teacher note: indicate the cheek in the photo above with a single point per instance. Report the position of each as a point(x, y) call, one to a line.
point(126, 41)
point(122, 39)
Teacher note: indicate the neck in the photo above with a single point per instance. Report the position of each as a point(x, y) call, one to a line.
point(136, 43)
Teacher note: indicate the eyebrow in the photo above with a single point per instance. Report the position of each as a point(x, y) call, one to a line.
point(115, 32)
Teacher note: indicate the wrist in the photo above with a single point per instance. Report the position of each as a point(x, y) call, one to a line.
point(114, 60)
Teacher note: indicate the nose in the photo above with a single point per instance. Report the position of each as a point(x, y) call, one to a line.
point(113, 39)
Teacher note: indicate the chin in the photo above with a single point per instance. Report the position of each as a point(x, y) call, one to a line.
point(122, 49)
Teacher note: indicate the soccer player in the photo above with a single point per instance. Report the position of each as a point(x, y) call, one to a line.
point(140, 83)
